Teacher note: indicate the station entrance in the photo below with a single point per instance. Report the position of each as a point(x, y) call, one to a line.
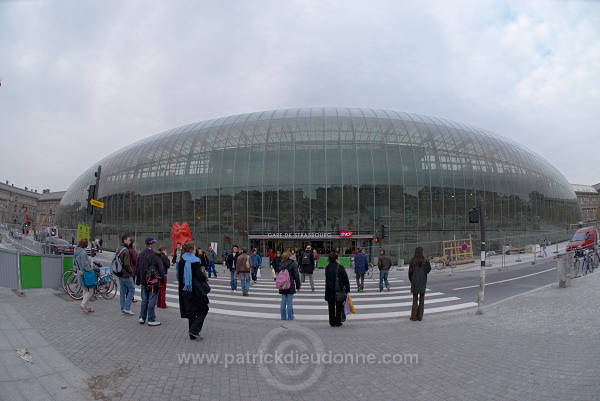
point(323, 244)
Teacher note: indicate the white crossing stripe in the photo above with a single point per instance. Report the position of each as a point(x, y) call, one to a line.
point(264, 300)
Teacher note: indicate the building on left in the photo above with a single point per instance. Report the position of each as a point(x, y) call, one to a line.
point(27, 209)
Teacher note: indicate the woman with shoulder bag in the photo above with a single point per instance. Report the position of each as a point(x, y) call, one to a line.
point(287, 296)
point(337, 286)
point(82, 262)
point(193, 291)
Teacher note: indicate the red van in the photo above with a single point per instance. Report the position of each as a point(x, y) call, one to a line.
point(584, 238)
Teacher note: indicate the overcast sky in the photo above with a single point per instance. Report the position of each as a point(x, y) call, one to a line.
point(83, 78)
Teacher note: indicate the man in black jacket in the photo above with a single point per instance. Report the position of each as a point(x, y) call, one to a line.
point(307, 266)
point(148, 261)
point(230, 263)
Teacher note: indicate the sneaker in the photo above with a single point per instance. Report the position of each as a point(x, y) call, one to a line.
point(128, 313)
point(142, 321)
point(153, 323)
point(233, 291)
point(387, 288)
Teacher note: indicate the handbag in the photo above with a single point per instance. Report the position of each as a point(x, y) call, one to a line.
point(89, 279)
point(340, 293)
point(351, 304)
point(203, 288)
point(258, 273)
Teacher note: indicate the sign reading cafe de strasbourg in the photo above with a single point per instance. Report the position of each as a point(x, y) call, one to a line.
point(343, 233)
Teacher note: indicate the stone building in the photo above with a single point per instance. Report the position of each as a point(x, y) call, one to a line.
point(588, 198)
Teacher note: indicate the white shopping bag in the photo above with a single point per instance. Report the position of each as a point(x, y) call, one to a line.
point(258, 273)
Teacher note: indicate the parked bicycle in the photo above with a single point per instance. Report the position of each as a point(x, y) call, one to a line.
point(107, 283)
point(585, 261)
point(441, 263)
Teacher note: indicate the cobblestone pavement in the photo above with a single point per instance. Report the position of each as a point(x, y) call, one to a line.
point(541, 345)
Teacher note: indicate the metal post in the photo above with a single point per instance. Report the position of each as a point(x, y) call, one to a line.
point(482, 269)
point(93, 229)
point(19, 270)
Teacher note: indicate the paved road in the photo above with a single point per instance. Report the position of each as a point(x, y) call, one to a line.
point(540, 345)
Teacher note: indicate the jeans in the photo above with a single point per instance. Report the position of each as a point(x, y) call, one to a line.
point(383, 276)
point(127, 289)
point(211, 269)
point(254, 272)
point(148, 304)
point(245, 278)
point(287, 303)
point(233, 281)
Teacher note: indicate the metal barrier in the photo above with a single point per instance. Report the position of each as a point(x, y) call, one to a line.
point(21, 270)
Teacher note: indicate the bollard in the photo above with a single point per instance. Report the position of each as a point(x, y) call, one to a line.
point(563, 270)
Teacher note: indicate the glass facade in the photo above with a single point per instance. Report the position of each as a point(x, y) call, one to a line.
point(313, 172)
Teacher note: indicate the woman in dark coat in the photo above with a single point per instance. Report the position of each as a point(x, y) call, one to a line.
point(332, 271)
point(193, 301)
point(418, 269)
point(287, 296)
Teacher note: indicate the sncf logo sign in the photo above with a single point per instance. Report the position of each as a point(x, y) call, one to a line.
point(345, 233)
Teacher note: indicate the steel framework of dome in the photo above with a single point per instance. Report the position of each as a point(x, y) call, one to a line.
point(305, 174)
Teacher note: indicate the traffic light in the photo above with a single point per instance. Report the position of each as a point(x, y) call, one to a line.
point(91, 195)
point(384, 231)
point(376, 239)
point(226, 239)
point(474, 215)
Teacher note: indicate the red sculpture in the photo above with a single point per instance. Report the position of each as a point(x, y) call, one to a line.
point(180, 233)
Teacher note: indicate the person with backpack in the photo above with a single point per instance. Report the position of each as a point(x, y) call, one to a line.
point(193, 290)
point(149, 274)
point(256, 261)
point(288, 282)
point(122, 262)
point(242, 265)
point(337, 286)
point(307, 266)
point(361, 266)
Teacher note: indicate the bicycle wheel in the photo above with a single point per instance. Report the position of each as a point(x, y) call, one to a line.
point(73, 287)
point(369, 273)
point(584, 266)
point(452, 263)
point(439, 264)
point(108, 290)
point(66, 276)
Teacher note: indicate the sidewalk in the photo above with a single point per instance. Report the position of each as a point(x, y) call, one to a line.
point(541, 345)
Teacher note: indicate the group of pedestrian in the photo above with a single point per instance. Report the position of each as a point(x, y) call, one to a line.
point(149, 270)
point(195, 266)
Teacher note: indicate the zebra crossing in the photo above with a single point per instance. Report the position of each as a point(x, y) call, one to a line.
point(264, 300)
